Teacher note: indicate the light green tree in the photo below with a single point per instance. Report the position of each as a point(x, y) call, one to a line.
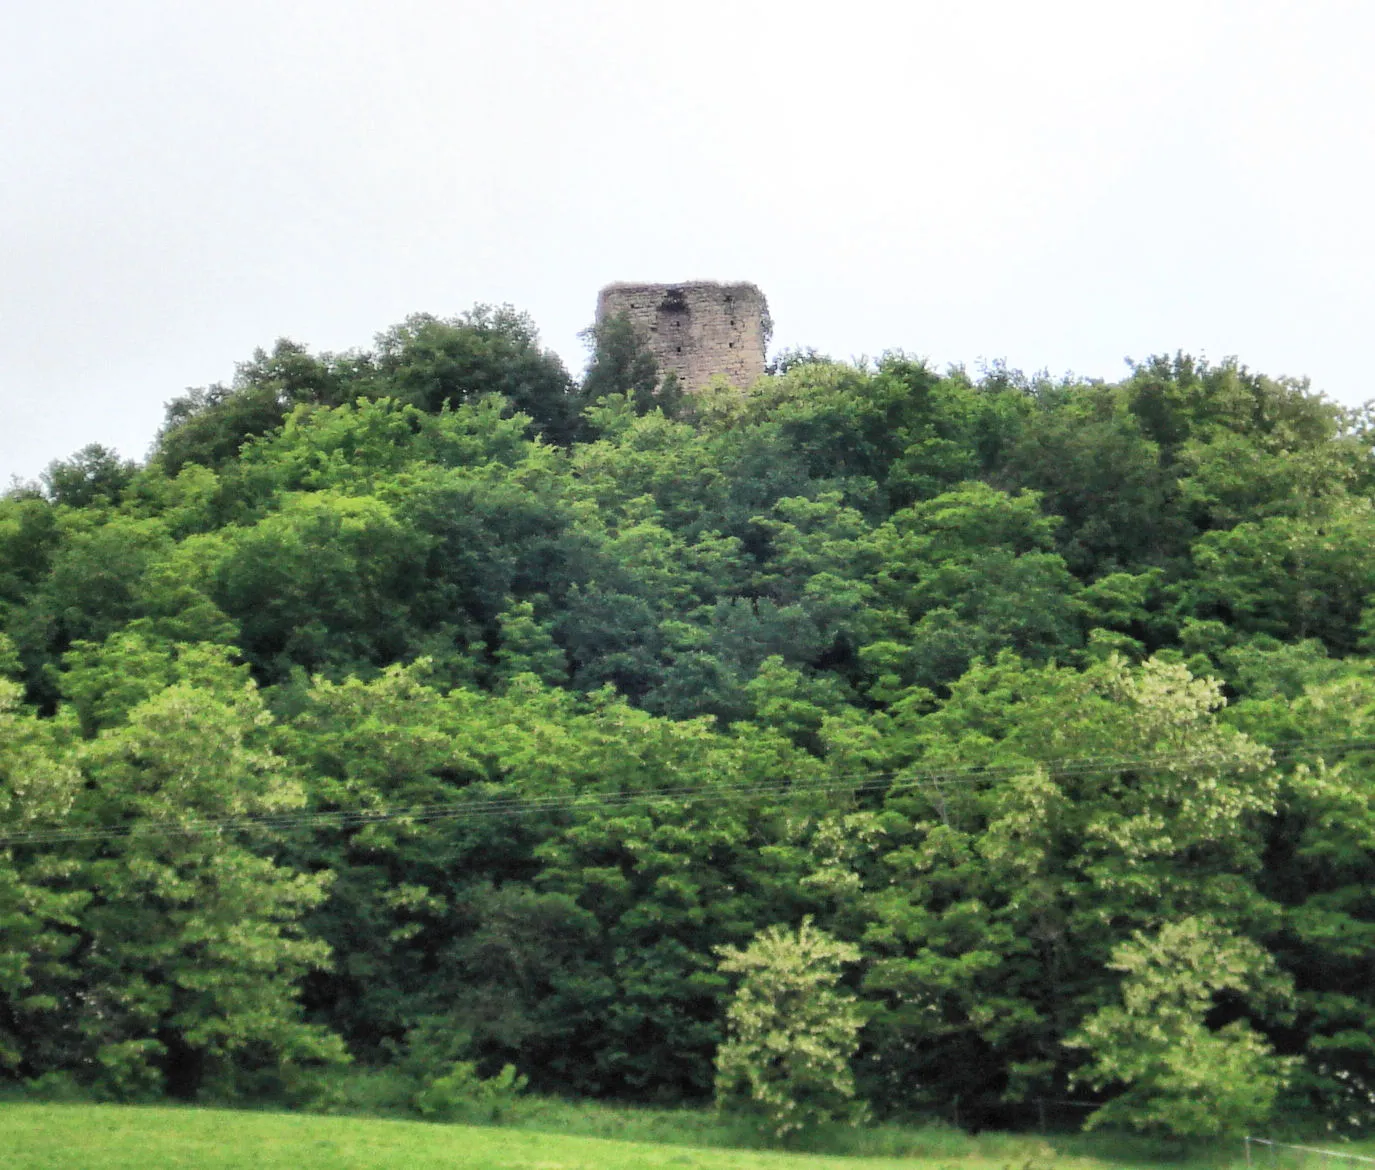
point(1177, 1075)
point(193, 941)
point(527, 647)
point(792, 1033)
point(38, 785)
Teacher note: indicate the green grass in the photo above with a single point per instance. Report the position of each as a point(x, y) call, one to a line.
point(380, 1093)
point(386, 1093)
point(123, 1137)
point(549, 1135)
point(361, 1091)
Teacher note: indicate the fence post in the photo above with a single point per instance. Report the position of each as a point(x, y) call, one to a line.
point(1248, 1149)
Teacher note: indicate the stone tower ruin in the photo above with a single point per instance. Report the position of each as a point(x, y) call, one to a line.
point(698, 329)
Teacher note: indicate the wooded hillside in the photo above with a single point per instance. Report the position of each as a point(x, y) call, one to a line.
point(421, 704)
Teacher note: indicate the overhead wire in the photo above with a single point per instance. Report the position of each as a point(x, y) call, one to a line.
point(467, 809)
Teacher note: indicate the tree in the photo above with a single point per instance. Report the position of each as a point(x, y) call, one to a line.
point(792, 1033)
point(209, 425)
point(1085, 454)
point(1181, 397)
point(322, 582)
point(433, 363)
point(38, 907)
point(668, 878)
point(527, 647)
point(93, 474)
point(965, 575)
point(622, 363)
point(1321, 865)
point(1293, 577)
point(192, 946)
point(1177, 1075)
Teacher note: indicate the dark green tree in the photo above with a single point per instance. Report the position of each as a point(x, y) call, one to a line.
point(622, 363)
point(432, 362)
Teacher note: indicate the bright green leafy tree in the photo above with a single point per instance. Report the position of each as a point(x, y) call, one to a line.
point(1175, 1074)
point(791, 1030)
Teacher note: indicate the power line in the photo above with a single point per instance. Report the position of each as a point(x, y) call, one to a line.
point(519, 806)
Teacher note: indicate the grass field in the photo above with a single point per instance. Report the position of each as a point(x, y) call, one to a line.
point(46, 1136)
point(122, 1137)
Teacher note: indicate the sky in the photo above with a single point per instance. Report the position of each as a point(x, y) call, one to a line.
point(1060, 185)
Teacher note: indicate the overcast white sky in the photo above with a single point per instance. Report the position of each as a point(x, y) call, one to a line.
point(1060, 184)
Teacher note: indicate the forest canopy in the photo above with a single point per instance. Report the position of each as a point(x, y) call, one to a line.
point(424, 704)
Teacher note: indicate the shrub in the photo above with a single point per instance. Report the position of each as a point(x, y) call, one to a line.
point(461, 1095)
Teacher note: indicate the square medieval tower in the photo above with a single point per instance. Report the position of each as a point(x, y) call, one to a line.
point(698, 329)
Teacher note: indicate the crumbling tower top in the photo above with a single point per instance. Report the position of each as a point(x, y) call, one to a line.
point(697, 329)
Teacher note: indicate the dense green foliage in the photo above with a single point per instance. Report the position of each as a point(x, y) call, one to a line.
point(421, 707)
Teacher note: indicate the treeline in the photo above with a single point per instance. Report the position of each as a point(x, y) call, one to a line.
point(421, 704)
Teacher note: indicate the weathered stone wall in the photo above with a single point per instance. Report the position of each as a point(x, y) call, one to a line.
point(699, 329)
